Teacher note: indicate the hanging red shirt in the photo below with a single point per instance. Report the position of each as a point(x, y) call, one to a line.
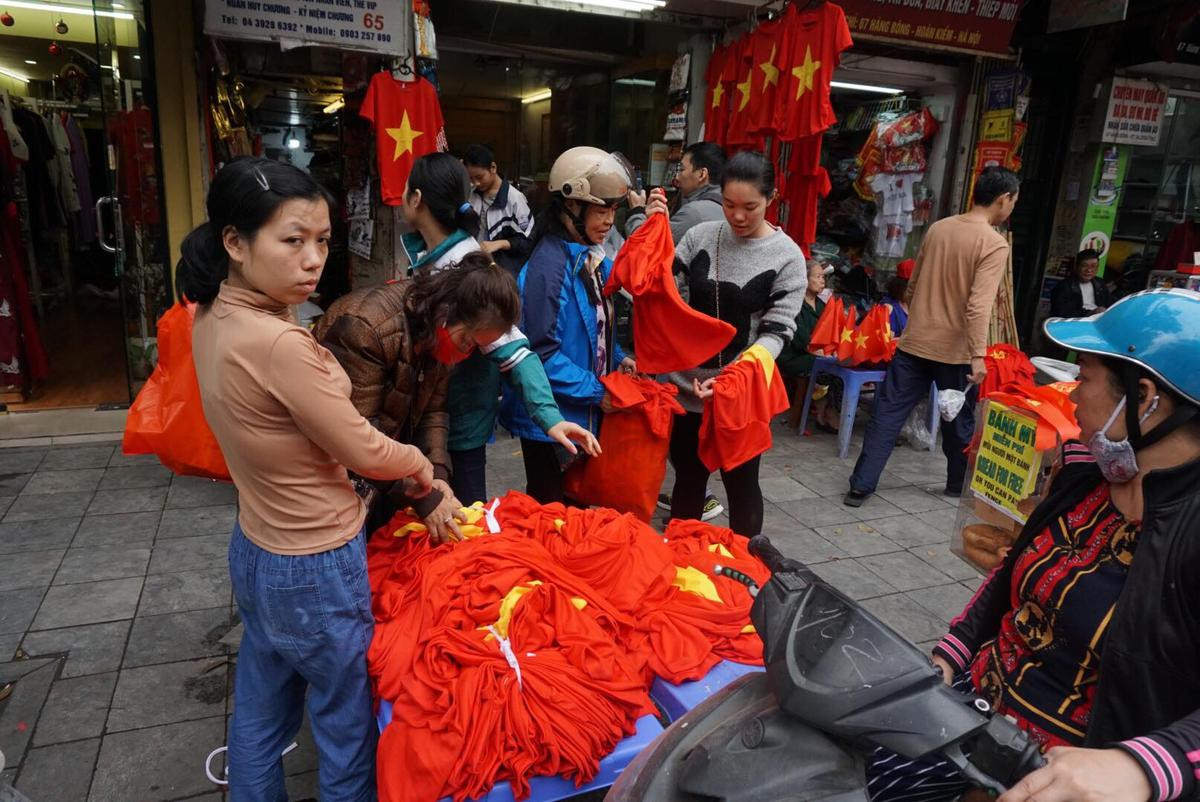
point(716, 106)
point(810, 54)
point(408, 124)
point(766, 45)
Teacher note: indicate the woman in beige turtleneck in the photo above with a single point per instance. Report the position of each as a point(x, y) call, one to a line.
point(279, 406)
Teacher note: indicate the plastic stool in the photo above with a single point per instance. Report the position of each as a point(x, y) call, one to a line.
point(675, 700)
point(853, 380)
point(549, 789)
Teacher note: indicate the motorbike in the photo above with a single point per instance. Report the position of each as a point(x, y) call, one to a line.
point(838, 684)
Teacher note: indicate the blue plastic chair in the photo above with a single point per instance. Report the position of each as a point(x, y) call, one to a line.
point(550, 789)
point(853, 380)
point(675, 700)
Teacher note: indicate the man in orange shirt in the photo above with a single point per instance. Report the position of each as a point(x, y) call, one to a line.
point(958, 272)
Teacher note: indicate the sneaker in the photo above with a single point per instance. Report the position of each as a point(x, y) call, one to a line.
point(712, 508)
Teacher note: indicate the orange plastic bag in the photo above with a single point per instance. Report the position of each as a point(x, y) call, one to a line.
point(167, 419)
point(635, 441)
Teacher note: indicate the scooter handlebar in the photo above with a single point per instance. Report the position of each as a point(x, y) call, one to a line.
point(762, 548)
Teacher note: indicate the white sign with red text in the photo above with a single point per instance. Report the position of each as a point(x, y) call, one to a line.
point(1135, 113)
point(378, 26)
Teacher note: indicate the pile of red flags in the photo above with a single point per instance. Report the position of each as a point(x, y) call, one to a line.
point(868, 341)
point(1010, 381)
point(529, 648)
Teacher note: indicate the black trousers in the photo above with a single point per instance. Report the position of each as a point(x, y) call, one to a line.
point(469, 481)
point(691, 480)
point(543, 472)
point(907, 382)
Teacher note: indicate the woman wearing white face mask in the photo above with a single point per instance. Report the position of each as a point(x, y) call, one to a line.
point(1086, 633)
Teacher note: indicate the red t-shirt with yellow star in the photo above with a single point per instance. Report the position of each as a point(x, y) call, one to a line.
point(766, 44)
point(408, 124)
point(811, 50)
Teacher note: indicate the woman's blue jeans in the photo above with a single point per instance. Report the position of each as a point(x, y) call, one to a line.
point(308, 625)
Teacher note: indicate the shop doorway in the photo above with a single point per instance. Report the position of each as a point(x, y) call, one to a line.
point(84, 273)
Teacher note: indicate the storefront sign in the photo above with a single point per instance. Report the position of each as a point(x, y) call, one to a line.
point(380, 26)
point(1067, 15)
point(1102, 202)
point(1135, 113)
point(1007, 463)
point(982, 26)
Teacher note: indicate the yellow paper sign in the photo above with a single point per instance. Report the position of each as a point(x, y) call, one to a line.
point(997, 126)
point(1007, 464)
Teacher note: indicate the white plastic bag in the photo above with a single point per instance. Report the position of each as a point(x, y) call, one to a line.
point(916, 428)
point(950, 403)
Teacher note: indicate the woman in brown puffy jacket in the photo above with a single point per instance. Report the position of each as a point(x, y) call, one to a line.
point(397, 342)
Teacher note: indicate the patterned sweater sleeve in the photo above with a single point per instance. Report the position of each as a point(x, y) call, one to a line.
point(778, 323)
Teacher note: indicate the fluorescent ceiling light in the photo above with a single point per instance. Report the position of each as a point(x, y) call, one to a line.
point(137, 56)
point(14, 75)
point(636, 82)
point(882, 90)
point(334, 106)
point(30, 61)
point(62, 8)
point(541, 94)
point(624, 5)
point(293, 144)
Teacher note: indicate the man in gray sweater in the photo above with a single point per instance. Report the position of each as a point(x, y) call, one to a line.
point(699, 184)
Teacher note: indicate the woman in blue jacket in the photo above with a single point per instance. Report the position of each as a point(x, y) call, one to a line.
point(564, 313)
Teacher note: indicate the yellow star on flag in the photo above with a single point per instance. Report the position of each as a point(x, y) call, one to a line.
point(805, 72)
point(405, 135)
point(770, 71)
point(717, 93)
point(861, 340)
point(847, 335)
point(744, 88)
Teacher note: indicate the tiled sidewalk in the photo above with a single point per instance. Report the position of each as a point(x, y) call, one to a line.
point(114, 595)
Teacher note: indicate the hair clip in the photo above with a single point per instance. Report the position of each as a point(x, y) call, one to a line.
point(466, 207)
point(262, 180)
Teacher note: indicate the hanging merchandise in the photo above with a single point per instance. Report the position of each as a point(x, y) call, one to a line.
point(408, 124)
point(7, 20)
point(766, 44)
point(893, 212)
point(61, 27)
point(717, 101)
point(810, 51)
point(807, 182)
point(426, 39)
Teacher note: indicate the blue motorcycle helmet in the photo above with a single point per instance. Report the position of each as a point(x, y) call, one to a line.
point(1156, 331)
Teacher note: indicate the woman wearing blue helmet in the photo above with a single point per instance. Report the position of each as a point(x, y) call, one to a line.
point(1087, 633)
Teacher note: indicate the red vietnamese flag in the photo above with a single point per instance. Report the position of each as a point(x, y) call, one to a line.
point(811, 52)
point(845, 347)
point(828, 330)
point(408, 124)
point(717, 101)
point(766, 59)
